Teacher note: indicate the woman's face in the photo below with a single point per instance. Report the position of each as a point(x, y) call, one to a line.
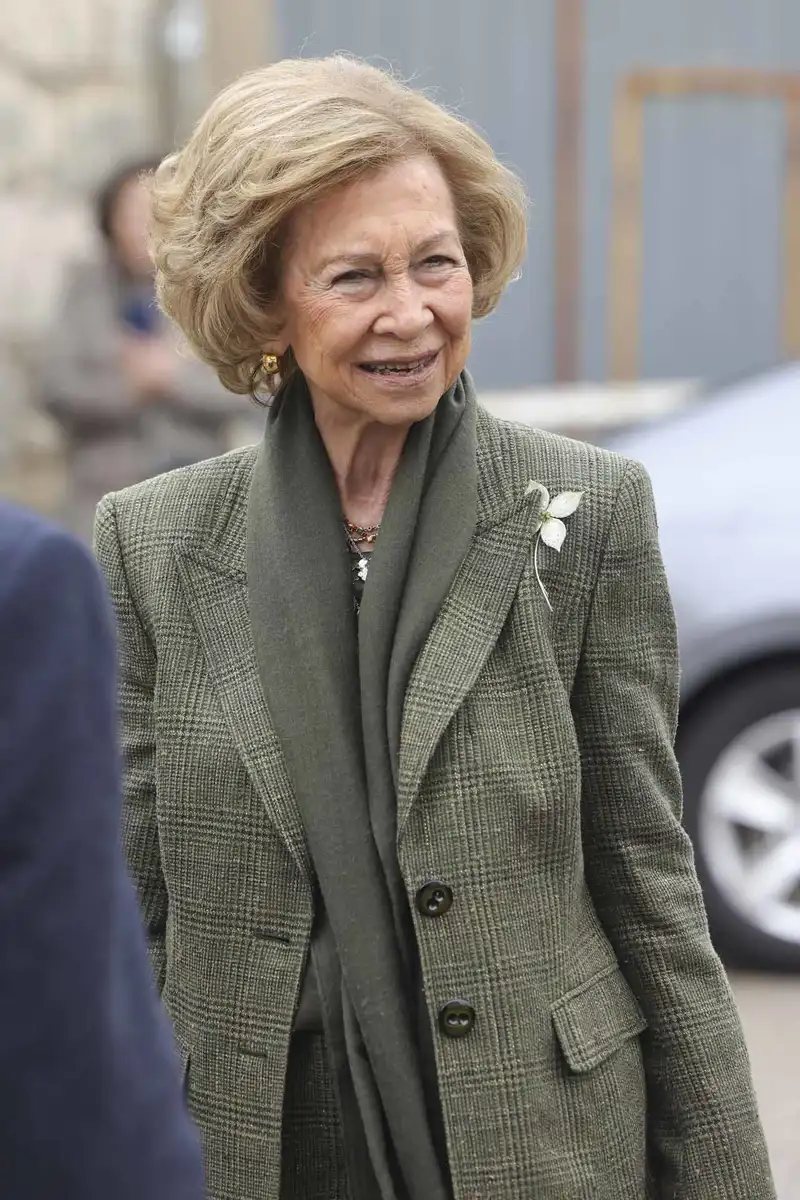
point(129, 225)
point(377, 296)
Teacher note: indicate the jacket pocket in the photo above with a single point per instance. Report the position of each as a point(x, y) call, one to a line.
point(595, 1019)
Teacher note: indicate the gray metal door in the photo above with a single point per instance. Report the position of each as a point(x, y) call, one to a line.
point(690, 209)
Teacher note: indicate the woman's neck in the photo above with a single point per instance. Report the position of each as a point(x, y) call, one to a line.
point(364, 456)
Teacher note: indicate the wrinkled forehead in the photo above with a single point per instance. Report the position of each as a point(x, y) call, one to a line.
point(400, 208)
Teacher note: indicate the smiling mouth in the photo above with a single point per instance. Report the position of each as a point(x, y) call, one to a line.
point(400, 367)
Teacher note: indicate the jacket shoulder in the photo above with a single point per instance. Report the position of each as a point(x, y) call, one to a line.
point(26, 538)
point(19, 527)
point(515, 454)
point(189, 504)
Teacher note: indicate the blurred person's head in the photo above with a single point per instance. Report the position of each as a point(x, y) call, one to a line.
point(123, 210)
point(325, 213)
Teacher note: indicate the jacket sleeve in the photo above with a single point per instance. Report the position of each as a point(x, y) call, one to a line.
point(81, 380)
point(705, 1134)
point(136, 680)
point(90, 1094)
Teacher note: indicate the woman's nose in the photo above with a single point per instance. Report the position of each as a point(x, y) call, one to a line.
point(406, 312)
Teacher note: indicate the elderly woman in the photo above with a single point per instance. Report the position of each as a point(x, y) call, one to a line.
point(402, 803)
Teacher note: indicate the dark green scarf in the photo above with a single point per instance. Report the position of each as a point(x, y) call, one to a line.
point(335, 691)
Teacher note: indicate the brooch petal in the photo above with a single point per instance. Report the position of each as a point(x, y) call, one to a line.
point(564, 504)
point(553, 532)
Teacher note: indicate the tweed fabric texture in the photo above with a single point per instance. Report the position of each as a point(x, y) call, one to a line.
point(536, 777)
point(312, 1145)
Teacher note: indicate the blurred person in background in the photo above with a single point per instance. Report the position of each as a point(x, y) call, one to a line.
point(401, 796)
point(91, 1105)
point(130, 401)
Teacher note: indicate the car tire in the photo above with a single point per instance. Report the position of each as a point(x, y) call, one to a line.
point(712, 732)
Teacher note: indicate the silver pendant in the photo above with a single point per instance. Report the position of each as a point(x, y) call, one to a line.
point(362, 568)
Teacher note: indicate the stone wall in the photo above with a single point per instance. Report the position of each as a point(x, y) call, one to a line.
point(75, 98)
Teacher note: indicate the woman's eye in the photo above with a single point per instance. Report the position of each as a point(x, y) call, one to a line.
point(352, 277)
point(439, 260)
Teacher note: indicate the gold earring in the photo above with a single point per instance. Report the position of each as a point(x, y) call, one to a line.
point(270, 363)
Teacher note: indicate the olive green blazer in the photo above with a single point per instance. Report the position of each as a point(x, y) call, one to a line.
point(536, 779)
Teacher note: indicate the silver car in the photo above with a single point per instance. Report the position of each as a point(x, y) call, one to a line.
point(726, 474)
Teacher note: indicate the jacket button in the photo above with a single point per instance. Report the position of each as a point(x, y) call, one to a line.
point(456, 1019)
point(434, 899)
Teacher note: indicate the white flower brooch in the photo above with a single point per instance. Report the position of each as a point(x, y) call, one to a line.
point(551, 528)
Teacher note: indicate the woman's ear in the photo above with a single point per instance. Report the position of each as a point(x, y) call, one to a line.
point(280, 341)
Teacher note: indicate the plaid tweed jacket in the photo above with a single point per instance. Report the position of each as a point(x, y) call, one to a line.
point(537, 779)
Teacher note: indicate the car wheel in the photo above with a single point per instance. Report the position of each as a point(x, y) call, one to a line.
point(739, 751)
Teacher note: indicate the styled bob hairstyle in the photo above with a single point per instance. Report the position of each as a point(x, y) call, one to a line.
point(284, 136)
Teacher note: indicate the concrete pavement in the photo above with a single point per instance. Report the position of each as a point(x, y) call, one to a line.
point(770, 1010)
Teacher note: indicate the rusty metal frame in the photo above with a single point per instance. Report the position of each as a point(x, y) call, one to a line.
point(627, 235)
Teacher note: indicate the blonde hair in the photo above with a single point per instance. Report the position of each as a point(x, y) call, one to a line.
point(284, 136)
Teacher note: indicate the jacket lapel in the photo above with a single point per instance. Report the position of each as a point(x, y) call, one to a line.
point(474, 613)
point(214, 579)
